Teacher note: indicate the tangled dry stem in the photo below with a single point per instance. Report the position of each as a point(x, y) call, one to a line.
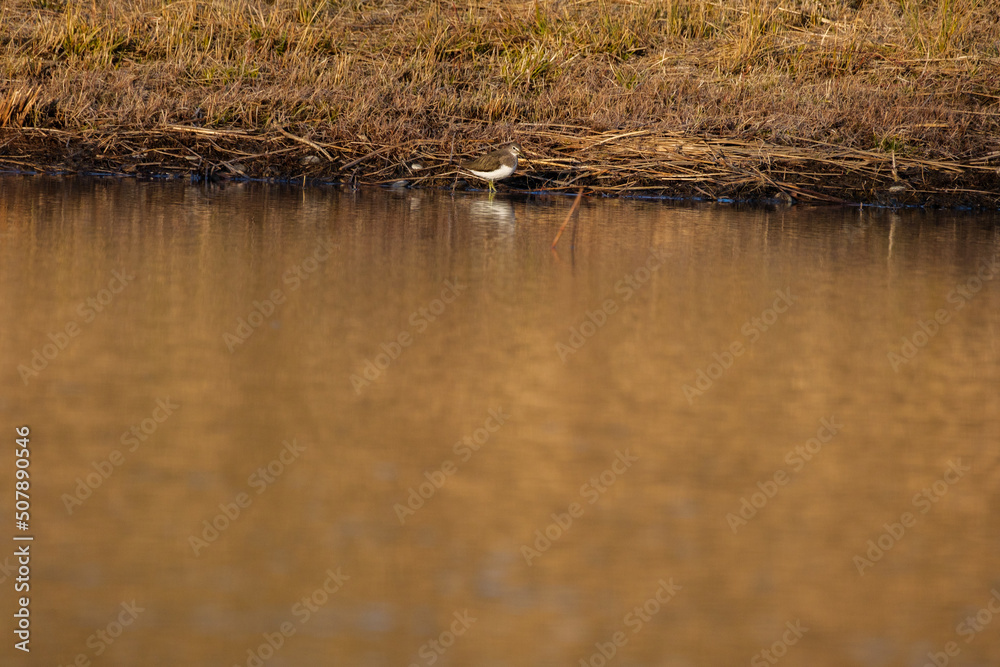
point(819, 101)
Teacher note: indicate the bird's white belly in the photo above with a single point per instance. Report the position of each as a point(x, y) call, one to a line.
point(495, 175)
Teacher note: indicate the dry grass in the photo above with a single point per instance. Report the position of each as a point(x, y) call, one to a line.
point(369, 86)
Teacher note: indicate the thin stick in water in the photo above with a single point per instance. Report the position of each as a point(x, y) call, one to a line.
point(569, 215)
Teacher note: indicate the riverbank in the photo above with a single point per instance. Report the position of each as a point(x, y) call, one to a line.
point(884, 102)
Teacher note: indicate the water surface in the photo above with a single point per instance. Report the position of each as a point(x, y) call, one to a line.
point(670, 441)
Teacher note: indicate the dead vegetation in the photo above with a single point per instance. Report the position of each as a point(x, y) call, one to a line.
point(825, 101)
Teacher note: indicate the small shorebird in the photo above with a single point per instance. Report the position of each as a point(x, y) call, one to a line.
point(494, 166)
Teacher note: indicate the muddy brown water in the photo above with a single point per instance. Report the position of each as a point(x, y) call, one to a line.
point(280, 427)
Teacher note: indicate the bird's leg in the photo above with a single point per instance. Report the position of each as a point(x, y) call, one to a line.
point(493, 188)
